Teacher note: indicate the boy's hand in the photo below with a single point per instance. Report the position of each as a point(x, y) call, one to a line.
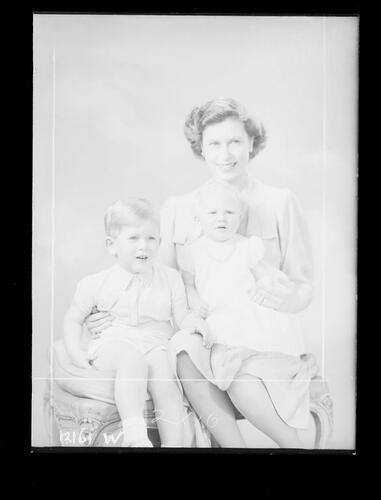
point(198, 306)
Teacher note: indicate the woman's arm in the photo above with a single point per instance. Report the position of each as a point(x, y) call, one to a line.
point(296, 257)
point(296, 254)
point(297, 299)
point(293, 292)
point(97, 321)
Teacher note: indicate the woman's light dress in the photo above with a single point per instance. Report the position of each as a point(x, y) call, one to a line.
point(275, 217)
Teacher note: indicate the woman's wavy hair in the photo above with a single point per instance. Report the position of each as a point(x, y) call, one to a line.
point(216, 111)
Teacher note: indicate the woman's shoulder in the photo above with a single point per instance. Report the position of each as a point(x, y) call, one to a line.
point(178, 216)
point(266, 192)
point(275, 198)
point(180, 201)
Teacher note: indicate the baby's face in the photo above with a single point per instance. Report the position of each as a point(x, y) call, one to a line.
point(220, 215)
point(136, 246)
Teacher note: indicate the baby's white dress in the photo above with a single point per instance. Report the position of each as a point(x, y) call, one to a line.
point(223, 279)
point(252, 340)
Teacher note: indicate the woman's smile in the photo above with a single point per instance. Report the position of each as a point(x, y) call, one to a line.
point(226, 166)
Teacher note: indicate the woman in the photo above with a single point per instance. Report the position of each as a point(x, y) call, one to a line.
point(226, 138)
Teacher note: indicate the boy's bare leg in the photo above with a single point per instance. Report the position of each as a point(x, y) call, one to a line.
point(167, 398)
point(130, 388)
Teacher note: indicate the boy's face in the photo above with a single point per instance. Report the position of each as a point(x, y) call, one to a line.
point(220, 215)
point(136, 246)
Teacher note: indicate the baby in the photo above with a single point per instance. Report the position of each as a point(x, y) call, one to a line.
point(225, 275)
point(147, 303)
point(257, 355)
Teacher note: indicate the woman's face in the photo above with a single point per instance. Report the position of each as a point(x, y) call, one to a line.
point(226, 148)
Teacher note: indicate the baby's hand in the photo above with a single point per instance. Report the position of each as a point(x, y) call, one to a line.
point(198, 306)
point(203, 329)
point(195, 324)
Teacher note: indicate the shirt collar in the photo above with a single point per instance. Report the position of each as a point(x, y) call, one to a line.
point(124, 277)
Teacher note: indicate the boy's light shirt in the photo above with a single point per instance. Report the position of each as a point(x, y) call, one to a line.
point(135, 299)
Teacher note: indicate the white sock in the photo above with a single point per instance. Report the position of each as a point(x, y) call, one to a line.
point(135, 432)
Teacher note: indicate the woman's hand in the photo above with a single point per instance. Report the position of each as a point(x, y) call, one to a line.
point(97, 321)
point(272, 292)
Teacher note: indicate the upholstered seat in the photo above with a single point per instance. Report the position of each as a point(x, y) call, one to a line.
point(76, 417)
point(76, 421)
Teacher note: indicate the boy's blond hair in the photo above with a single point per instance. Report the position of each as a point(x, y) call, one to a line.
point(125, 213)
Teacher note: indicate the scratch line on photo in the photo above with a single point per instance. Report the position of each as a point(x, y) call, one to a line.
point(52, 303)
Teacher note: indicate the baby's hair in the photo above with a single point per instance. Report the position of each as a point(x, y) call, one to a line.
point(219, 187)
point(216, 111)
point(125, 213)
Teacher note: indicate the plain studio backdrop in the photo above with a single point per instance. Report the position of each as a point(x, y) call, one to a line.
point(110, 97)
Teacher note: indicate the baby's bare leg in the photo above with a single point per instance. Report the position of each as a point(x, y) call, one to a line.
point(167, 398)
point(130, 387)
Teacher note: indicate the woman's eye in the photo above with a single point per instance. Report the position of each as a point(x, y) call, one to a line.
point(152, 238)
point(212, 213)
point(236, 141)
point(132, 237)
point(229, 212)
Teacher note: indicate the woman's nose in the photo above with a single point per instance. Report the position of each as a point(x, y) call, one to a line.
point(225, 152)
